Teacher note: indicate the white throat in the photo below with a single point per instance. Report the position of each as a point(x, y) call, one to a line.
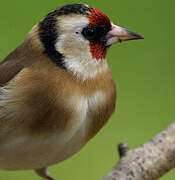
point(85, 68)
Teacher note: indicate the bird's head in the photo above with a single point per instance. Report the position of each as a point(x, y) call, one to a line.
point(76, 37)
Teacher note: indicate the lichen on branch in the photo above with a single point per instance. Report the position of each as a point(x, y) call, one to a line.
point(148, 162)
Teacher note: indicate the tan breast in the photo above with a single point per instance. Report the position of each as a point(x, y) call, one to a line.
point(47, 98)
point(52, 106)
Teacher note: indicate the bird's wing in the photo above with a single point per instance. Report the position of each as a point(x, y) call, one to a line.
point(29, 100)
point(23, 56)
point(8, 69)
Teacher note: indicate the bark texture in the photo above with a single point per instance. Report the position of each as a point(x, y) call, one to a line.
point(148, 162)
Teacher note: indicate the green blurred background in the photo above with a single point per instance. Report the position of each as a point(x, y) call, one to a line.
point(143, 70)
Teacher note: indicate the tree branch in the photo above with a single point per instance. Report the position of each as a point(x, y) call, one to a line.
point(148, 162)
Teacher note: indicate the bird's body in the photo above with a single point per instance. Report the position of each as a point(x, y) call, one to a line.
point(58, 114)
point(57, 90)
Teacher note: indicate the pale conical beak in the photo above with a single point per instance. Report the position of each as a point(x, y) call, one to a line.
point(119, 34)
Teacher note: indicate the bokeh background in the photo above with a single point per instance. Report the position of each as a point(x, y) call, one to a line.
point(144, 71)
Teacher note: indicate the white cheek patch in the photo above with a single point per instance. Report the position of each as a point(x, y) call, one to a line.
point(76, 49)
point(72, 23)
point(70, 41)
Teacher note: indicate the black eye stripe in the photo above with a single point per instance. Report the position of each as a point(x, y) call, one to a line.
point(95, 34)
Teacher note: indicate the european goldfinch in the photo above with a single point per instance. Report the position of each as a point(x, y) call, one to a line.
point(57, 90)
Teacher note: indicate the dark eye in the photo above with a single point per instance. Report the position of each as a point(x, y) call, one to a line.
point(89, 33)
point(101, 31)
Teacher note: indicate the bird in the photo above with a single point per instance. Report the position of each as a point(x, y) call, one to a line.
point(56, 88)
